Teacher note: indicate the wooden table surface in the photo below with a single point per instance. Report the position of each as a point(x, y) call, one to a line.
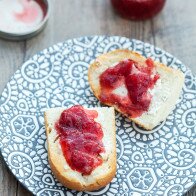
point(173, 30)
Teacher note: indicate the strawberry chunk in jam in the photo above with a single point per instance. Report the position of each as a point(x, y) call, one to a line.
point(80, 139)
point(137, 80)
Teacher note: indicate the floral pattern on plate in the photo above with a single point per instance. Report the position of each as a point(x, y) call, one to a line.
point(158, 162)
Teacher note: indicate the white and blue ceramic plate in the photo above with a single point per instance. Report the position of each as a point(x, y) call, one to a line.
point(159, 162)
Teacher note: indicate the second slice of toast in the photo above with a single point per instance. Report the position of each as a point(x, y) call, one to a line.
point(164, 94)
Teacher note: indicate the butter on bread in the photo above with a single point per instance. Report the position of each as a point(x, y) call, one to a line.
point(101, 175)
point(164, 94)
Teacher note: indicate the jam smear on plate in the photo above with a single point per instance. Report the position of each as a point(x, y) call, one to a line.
point(80, 139)
point(127, 85)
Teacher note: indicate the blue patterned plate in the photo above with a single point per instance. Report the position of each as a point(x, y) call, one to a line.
point(159, 162)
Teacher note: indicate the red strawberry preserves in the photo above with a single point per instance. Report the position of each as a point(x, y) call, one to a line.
point(80, 139)
point(137, 80)
point(138, 9)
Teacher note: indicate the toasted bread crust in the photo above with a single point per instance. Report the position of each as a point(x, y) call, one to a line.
point(57, 162)
point(107, 60)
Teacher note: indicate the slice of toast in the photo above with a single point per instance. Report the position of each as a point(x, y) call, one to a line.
point(164, 94)
point(101, 175)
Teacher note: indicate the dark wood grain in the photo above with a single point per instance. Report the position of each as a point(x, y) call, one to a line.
point(11, 57)
point(21, 191)
point(8, 184)
point(173, 30)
